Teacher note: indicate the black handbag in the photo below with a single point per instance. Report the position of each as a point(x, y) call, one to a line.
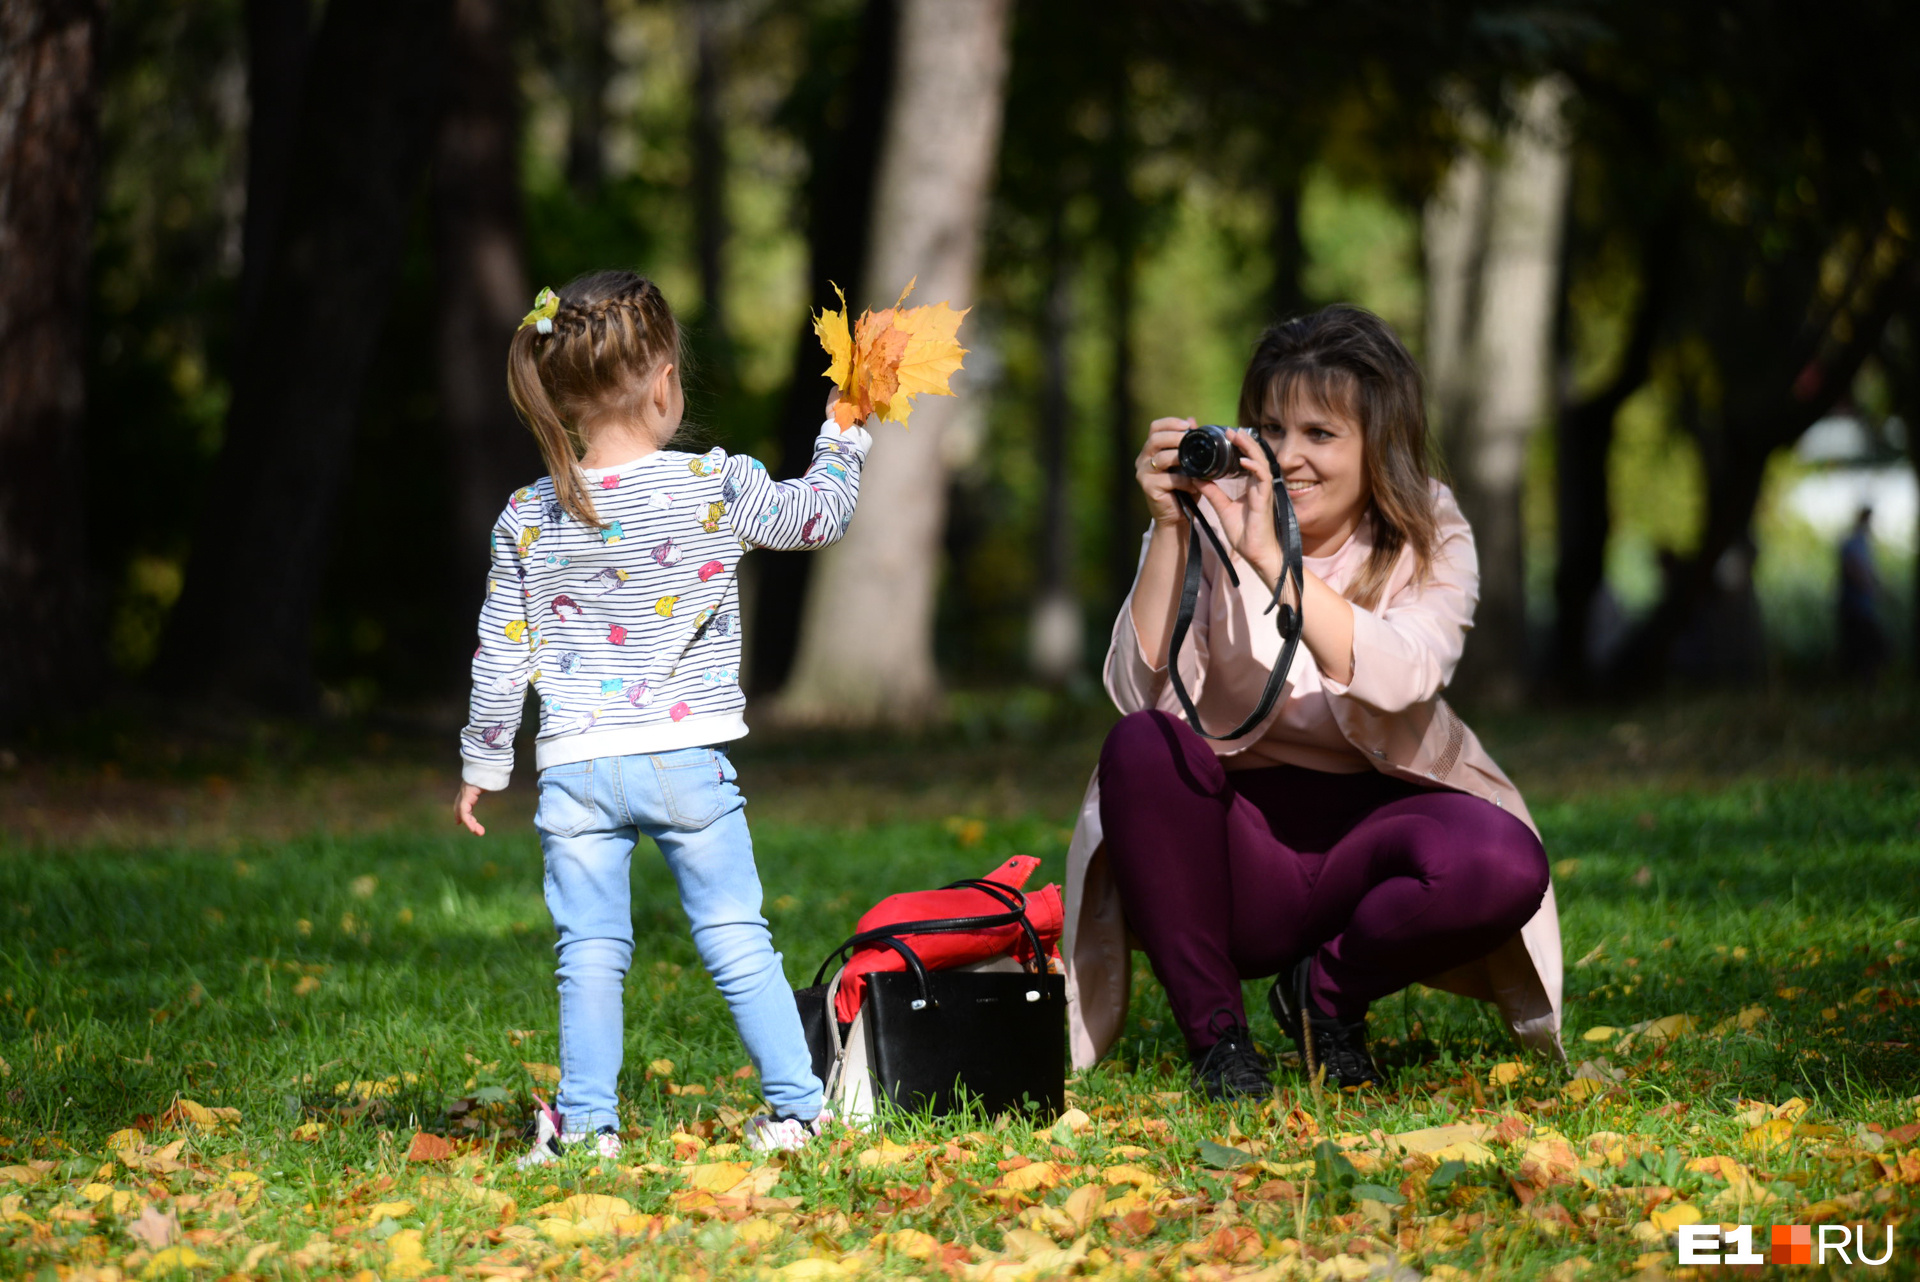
point(938, 1040)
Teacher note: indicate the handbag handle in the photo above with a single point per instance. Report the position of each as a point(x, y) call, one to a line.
point(889, 935)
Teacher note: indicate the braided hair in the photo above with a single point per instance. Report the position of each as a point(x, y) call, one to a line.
point(595, 359)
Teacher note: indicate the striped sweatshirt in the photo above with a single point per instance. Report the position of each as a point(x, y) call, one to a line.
point(630, 634)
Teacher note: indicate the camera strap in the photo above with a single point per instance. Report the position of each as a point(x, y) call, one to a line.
point(1285, 524)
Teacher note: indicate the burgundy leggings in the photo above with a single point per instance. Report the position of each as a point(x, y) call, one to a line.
point(1231, 876)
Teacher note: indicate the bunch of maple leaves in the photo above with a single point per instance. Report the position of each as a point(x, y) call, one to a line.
point(886, 358)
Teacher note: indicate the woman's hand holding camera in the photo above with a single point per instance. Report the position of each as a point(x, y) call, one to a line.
point(1248, 520)
point(1154, 470)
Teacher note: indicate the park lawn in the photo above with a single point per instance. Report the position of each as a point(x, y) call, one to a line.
point(217, 1052)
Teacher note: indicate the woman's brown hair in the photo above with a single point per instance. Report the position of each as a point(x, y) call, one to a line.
point(1346, 358)
point(610, 334)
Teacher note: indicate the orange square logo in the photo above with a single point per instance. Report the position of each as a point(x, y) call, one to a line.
point(1792, 1244)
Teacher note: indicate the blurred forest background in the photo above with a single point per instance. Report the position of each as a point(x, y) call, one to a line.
point(259, 261)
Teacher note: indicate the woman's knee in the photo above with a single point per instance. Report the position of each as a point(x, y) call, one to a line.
point(1150, 745)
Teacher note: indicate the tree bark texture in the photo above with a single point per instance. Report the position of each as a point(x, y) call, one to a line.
point(1054, 636)
point(845, 152)
point(279, 41)
point(1494, 236)
point(707, 152)
point(1120, 217)
point(866, 644)
point(242, 627)
point(591, 67)
point(49, 108)
point(1583, 438)
point(480, 265)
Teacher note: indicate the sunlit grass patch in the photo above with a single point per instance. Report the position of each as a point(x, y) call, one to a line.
point(232, 1056)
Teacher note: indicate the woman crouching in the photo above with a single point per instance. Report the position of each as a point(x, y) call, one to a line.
point(1358, 838)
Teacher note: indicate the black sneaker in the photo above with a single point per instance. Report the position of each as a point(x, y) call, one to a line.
point(1233, 1067)
point(1340, 1045)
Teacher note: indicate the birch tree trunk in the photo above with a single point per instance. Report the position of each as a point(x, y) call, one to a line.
point(49, 94)
point(1493, 238)
point(866, 640)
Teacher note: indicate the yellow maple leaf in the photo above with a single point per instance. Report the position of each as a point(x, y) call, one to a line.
point(889, 357)
point(1673, 1215)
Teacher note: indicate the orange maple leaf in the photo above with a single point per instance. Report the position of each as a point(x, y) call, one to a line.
point(889, 357)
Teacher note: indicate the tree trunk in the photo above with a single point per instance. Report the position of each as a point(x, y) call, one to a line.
point(1497, 368)
point(1286, 295)
point(1054, 636)
point(587, 96)
point(242, 627)
point(481, 278)
point(866, 644)
point(845, 152)
point(1583, 444)
point(707, 156)
point(49, 108)
point(1120, 209)
point(279, 38)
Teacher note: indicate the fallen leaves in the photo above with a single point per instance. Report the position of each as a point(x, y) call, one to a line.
point(889, 357)
point(429, 1148)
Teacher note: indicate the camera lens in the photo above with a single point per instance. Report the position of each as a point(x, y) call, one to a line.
point(1206, 454)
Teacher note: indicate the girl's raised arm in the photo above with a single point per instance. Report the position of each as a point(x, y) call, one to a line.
point(810, 511)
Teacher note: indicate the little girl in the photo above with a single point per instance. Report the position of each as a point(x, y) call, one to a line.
point(613, 590)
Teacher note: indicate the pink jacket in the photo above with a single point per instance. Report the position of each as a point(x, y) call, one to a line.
point(1403, 656)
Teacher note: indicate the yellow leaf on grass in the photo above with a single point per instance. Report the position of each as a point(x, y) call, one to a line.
point(583, 1206)
point(1143, 1180)
point(1600, 1033)
point(1430, 1139)
point(172, 1260)
point(757, 1231)
point(566, 1233)
point(1745, 1022)
point(96, 1192)
point(20, 1174)
point(1668, 1028)
point(1505, 1074)
point(1673, 1215)
point(717, 1177)
point(1582, 1088)
point(1773, 1133)
point(308, 1131)
point(885, 1153)
point(660, 1068)
point(306, 986)
point(548, 1074)
point(1027, 1179)
point(1791, 1111)
point(388, 1211)
point(406, 1258)
point(817, 1267)
point(128, 1138)
point(911, 1243)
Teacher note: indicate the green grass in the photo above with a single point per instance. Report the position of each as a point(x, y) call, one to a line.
point(272, 974)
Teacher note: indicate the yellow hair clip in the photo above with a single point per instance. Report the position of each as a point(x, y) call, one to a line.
point(545, 304)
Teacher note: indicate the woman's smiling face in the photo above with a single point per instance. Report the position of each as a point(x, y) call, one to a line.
point(1321, 450)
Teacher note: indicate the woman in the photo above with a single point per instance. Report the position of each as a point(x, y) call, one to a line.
point(1357, 839)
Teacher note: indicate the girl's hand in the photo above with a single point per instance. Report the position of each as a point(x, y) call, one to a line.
point(1248, 521)
point(833, 399)
point(1160, 453)
point(463, 809)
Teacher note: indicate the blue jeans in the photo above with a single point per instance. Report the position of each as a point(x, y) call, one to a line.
point(591, 814)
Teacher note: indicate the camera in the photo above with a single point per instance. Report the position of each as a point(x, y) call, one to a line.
point(1206, 454)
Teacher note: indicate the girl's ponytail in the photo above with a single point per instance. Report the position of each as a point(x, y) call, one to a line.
point(590, 352)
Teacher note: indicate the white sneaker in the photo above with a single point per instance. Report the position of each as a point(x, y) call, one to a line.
point(550, 1143)
point(546, 1138)
point(604, 1142)
point(784, 1134)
